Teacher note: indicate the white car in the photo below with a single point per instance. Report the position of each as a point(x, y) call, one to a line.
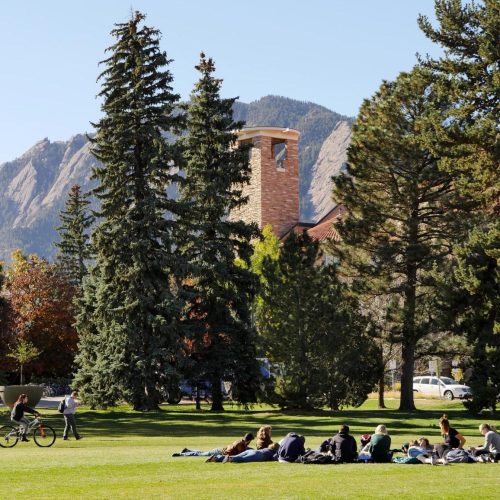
point(440, 387)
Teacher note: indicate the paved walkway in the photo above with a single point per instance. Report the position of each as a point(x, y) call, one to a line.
point(52, 402)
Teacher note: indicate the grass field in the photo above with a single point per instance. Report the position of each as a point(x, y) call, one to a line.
point(128, 455)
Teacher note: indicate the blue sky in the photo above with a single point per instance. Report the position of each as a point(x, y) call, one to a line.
point(331, 52)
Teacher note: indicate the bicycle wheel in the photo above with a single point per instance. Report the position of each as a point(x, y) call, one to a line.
point(44, 436)
point(8, 436)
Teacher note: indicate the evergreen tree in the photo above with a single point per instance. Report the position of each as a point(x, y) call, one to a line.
point(220, 289)
point(74, 249)
point(400, 209)
point(467, 141)
point(312, 328)
point(468, 74)
point(128, 309)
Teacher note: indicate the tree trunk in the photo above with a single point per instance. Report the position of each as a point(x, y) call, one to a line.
point(216, 395)
point(406, 402)
point(197, 398)
point(381, 386)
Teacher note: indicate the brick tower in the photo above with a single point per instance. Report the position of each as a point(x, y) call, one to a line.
point(273, 192)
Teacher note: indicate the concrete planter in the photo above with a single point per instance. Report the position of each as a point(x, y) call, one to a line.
point(10, 393)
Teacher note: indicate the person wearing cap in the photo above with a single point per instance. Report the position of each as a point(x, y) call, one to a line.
point(342, 446)
point(234, 448)
point(380, 445)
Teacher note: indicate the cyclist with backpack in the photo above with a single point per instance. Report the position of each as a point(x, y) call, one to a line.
point(20, 408)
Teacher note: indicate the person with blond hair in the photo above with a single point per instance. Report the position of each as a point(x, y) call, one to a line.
point(491, 446)
point(380, 445)
point(263, 437)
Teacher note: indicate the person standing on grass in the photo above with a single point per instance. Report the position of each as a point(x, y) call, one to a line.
point(69, 416)
point(452, 438)
point(380, 445)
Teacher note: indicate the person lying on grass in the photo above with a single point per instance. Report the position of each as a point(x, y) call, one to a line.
point(234, 448)
point(263, 455)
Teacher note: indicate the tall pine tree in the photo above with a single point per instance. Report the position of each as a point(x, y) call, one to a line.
point(467, 140)
point(400, 205)
point(74, 249)
point(221, 337)
point(129, 309)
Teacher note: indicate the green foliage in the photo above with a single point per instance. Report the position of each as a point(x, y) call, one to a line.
point(23, 352)
point(468, 74)
point(74, 248)
point(400, 210)
point(219, 285)
point(312, 328)
point(129, 341)
point(467, 141)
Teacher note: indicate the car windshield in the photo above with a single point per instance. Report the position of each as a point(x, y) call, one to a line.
point(448, 381)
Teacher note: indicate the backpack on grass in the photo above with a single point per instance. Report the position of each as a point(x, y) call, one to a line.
point(62, 406)
point(314, 457)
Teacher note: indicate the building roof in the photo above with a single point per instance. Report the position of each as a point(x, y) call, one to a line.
point(276, 132)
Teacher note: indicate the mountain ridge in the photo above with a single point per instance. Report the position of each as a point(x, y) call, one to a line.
point(34, 186)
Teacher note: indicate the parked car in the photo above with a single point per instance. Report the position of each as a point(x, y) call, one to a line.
point(440, 387)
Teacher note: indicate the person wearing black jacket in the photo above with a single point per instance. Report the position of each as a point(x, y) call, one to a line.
point(342, 446)
point(17, 415)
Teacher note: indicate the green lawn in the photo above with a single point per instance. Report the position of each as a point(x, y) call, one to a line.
point(128, 455)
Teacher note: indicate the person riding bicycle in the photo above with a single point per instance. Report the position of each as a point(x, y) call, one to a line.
point(17, 415)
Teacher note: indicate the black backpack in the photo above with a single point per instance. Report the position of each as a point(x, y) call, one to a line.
point(62, 406)
point(314, 457)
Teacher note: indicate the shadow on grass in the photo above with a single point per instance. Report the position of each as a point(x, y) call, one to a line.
point(185, 421)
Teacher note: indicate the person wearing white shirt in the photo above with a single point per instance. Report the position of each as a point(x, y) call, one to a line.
point(69, 416)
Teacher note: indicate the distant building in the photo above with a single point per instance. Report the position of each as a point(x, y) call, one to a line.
point(273, 192)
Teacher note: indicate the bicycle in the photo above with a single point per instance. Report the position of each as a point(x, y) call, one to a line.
point(43, 435)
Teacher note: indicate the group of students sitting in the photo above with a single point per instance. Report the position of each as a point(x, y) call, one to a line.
point(342, 448)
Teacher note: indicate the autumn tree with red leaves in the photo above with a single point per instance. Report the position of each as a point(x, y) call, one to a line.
point(40, 311)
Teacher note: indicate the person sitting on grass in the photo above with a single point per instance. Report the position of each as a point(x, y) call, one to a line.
point(490, 450)
point(380, 445)
point(291, 447)
point(342, 446)
point(234, 448)
point(364, 454)
point(418, 447)
point(263, 437)
point(452, 438)
point(263, 455)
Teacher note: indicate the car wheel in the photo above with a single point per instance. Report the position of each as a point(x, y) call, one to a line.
point(449, 395)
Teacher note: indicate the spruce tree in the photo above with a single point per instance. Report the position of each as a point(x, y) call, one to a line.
point(74, 249)
point(221, 338)
point(400, 205)
point(128, 309)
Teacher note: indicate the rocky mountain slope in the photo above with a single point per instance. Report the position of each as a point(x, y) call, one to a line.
point(34, 187)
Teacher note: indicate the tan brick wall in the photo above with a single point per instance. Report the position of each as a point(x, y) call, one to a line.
point(251, 212)
point(273, 192)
